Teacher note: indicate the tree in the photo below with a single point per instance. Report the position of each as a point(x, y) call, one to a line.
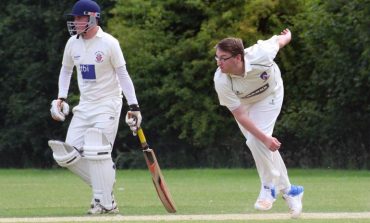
point(169, 47)
point(328, 117)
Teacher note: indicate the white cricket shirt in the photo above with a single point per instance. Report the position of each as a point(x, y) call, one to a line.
point(95, 61)
point(261, 78)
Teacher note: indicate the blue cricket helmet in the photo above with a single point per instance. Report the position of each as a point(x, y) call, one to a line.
point(85, 7)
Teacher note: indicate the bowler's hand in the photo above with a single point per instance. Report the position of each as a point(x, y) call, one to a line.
point(284, 37)
point(272, 143)
point(287, 33)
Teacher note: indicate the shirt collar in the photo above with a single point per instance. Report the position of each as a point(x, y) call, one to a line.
point(100, 32)
point(247, 65)
point(247, 68)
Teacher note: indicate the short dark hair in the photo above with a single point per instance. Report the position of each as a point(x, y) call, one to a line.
point(232, 45)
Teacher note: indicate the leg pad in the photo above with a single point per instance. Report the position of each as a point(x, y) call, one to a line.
point(69, 157)
point(97, 151)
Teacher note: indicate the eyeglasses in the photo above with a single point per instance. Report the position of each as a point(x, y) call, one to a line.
point(222, 59)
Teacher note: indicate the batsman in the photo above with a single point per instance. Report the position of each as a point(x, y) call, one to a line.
point(102, 81)
point(248, 82)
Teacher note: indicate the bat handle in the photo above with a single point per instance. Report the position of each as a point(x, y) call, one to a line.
point(140, 134)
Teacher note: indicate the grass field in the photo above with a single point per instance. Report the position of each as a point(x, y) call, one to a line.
point(57, 193)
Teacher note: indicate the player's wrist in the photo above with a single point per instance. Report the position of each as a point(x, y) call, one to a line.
point(134, 107)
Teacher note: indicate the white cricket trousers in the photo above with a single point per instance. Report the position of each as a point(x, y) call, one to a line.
point(270, 165)
point(103, 115)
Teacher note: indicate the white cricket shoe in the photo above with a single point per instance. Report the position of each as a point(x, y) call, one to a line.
point(265, 199)
point(294, 200)
point(96, 209)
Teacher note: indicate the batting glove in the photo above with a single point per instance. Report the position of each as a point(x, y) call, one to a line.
point(134, 118)
point(59, 109)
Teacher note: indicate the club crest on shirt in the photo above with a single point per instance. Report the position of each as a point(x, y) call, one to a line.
point(264, 76)
point(99, 57)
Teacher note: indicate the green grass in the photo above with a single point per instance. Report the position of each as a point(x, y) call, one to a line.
point(39, 193)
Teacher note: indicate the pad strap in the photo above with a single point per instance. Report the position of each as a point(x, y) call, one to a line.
point(61, 154)
point(97, 152)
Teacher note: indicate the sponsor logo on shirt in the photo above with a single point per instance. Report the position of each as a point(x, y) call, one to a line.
point(99, 57)
point(88, 72)
point(77, 57)
point(258, 91)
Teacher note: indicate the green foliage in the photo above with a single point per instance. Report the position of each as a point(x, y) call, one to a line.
point(169, 49)
point(328, 114)
point(31, 43)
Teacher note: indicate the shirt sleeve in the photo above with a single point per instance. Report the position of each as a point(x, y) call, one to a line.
point(67, 56)
point(269, 47)
point(226, 96)
point(64, 81)
point(117, 56)
point(127, 85)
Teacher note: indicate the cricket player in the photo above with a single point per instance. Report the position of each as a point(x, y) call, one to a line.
point(248, 82)
point(102, 78)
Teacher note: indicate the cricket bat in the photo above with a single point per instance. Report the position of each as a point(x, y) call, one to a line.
point(157, 177)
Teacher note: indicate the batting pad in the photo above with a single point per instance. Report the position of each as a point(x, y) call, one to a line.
point(69, 157)
point(97, 151)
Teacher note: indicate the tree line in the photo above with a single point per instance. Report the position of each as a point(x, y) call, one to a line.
point(169, 50)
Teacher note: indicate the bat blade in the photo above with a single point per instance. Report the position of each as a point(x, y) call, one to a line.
point(159, 182)
point(157, 177)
